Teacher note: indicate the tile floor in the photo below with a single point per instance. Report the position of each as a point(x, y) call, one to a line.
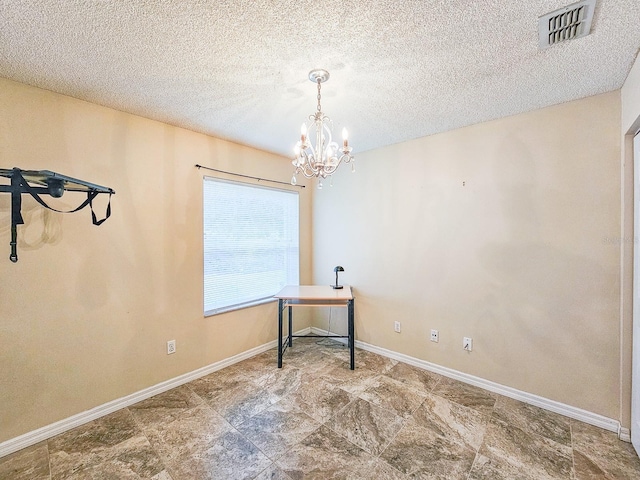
point(316, 419)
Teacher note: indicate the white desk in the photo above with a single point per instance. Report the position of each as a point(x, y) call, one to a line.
point(314, 296)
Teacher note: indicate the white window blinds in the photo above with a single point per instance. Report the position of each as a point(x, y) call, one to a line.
point(251, 245)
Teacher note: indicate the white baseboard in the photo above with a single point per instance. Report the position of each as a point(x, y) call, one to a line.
point(48, 431)
point(551, 405)
point(624, 434)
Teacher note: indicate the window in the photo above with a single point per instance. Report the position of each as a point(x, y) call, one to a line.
point(251, 245)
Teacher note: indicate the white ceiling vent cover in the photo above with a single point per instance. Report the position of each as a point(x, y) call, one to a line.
point(572, 21)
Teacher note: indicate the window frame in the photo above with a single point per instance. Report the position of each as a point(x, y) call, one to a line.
point(260, 300)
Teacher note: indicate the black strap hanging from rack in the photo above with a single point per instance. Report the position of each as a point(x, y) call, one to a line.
point(16, 215)
point(91, 194)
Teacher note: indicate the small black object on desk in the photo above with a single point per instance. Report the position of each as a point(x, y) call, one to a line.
point(337, 269)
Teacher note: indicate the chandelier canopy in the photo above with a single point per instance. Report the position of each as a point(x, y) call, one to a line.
point(322, 159)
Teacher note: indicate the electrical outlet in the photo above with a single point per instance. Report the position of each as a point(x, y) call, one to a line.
point(396, 327)
point(435, 336)
point(171, 347)
point(467, 343)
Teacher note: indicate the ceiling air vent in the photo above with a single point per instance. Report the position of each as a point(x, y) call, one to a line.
point(572, 21)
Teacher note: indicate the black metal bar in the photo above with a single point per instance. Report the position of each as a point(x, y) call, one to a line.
point(290, 326)
point(16, 215)
point(351, 334)
point(320, 336)
point(280, 332)
point(249, 176)
point(23, 189)
point(42, 190)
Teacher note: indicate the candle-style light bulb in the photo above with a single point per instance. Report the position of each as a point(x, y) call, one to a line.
point(303, 132)
point(345, 137)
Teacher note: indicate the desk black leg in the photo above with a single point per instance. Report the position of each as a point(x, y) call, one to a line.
point(290, 326)
point(351, 335)
point(280, 307)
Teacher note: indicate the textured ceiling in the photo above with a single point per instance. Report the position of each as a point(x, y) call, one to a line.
point(238, 69)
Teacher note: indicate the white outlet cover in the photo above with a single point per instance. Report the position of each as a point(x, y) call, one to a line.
point(467, 343)
point(171, 347)
point(396, 326)
point(434, 336)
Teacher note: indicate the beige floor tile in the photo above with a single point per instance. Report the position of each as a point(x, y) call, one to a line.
point(191, 433)
point(325, 455)
point(280, 381)
point(31, 463)
point(423, 454)
point(533, 419)
point(273, 472)
point(421, 380)
point(599, 454)
point(277, 429)
point(366, 425)
point(229, 457)
point(486, 469)
point(379, 469)
point(132, 457)
point(467, 395)
point(242, 403)
point(353, 381)
point(456, 422)
point(540, 456)
point(93, 443)
point(372, 361)
point(320, 399)
point(218, 383)
point(393, 396)
point(165, 407)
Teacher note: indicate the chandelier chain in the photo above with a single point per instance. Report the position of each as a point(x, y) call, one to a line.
point(319, 108)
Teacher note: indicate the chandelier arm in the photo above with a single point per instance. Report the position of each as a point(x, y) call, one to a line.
point(311, 154)
point(305, 167)
point(307, 172)
point(346, 158)
point(326, 126)
point(330, 170)
point(319, 141)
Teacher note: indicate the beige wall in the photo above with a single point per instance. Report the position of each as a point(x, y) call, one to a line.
point(86, 312)
point(507, 232)
point(630, 95)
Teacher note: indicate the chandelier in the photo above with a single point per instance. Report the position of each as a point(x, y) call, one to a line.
point(323, 159)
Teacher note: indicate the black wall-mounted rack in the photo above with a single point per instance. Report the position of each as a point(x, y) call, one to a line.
point(47, 183)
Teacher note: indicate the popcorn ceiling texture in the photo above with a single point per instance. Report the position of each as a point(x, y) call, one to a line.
point(238, 69)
